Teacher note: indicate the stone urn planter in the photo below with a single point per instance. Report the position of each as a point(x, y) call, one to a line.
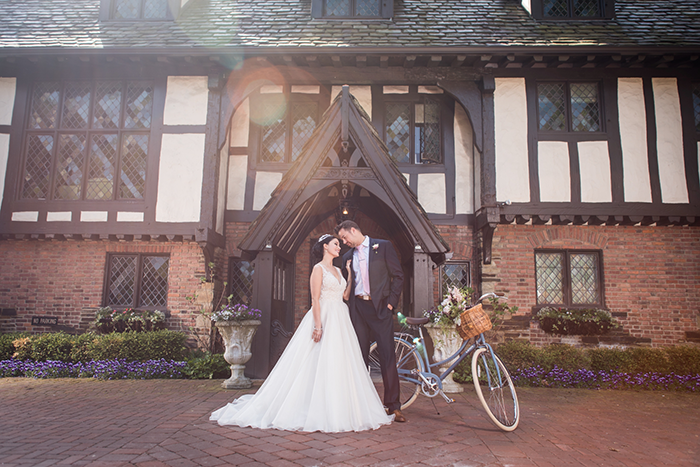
point(446, 341)
point(238, 337)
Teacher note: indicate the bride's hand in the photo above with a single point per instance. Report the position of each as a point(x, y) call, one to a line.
point(316, 335)
point(347, 267)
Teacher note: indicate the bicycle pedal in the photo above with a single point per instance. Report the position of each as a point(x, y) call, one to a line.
point(449, 400)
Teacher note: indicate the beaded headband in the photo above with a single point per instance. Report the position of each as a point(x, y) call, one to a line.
point(323, 237)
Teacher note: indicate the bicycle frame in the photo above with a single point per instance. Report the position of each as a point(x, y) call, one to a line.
point(421, 377)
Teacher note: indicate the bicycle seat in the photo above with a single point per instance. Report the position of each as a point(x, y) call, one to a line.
point(417, 321)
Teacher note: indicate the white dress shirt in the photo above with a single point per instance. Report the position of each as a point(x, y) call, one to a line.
point(360, 288)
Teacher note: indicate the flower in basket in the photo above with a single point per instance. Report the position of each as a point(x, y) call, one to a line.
point(236, 312)
point(122, 315)
point(155, 316)
point(452, 305)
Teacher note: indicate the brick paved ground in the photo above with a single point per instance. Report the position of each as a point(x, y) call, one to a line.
point(165, 423)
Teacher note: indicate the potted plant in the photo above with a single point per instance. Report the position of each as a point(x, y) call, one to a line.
point(103, 320)
point(154, 320)
point(442, 328)
point(575, 321)
point(237, 324)
point(136, 321)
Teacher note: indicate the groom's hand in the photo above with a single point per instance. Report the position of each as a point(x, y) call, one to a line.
point(388, 305)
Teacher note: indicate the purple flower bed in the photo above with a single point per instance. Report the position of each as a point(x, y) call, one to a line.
point(104, 369)
point(559, 378)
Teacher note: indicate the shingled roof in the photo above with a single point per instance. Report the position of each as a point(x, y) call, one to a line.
point(35, 25)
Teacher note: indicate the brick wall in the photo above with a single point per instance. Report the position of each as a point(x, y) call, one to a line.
point(62, 278)
point(651, 274)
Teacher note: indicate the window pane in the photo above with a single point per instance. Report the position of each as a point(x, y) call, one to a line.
point(154, 281)
point(455, 275)
point(337, 8)
point(133, 166)
point(139, 102)
point(37, 168)
point(155, 9)
point(122, 276)
point(587, 8)
point(428, 131)
point(108, 104)
point(584, 278)
point(241, 279)
point(44, 105)
point(303, 124)
point(555, 8)
point(367, 8)
point(585, 115)
point(696, 105)
point(76, 105)
point(103, 156)
point(126, 9)
point(552, 106)
point(273, 127)
point(550, 278)
point(69, 169)
point(398, 130)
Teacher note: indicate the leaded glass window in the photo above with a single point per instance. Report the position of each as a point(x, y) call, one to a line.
point(137, 281)
point(412, 131)
point(454, 274)
point(241, 281)
point(139, 9)
point(286, 123)
point(562, 9)
point(569, 106)
point(569, 278)
point(79, 133)
point(351, 8)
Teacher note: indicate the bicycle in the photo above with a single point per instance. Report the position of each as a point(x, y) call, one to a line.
point(492, 382)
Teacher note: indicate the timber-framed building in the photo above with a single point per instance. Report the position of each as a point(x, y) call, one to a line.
point(154, 150)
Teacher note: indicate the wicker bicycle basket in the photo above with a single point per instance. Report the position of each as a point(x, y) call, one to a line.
point(473, 321)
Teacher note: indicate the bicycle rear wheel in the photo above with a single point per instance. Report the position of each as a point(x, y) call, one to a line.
point(495, 389)
point(406, 362)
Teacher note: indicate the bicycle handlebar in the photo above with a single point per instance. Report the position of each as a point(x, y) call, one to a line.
point(492, 295)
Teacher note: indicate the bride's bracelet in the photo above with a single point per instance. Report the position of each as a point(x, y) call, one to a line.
point(318, 329)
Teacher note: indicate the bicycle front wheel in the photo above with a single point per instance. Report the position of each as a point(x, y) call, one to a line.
point(407, 364)
point(495, 389)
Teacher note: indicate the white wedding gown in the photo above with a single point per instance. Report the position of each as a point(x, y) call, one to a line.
point(322, 386)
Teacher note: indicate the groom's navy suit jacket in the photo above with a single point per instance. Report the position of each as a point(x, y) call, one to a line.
point(385, 276)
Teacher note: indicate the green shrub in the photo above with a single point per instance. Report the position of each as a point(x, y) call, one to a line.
point(565, 357)
point(603, 359)
point(520, 354)
point(7, 348)
point(646, 360)
point(134, 346)
point(52, 346)
point(683, 360)
point(205, 365)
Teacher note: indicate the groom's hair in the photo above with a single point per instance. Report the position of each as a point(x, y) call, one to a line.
point(347, 225)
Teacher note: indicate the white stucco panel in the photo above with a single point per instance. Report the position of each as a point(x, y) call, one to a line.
point(265, 184)
point(363, 94)
point(512, 168)
point(94, 216)
point(240, 125)
point(633, 136)
point(4, 153)
point(180, 178)
point(554, 171)
point(464, 162)
point(186, 100)
point(594, 166)
point(60, 216)
point(129, 216)
point(237, 176)
point(25, 216)
point(8, 87)
point(431, 193)
point(669, 143)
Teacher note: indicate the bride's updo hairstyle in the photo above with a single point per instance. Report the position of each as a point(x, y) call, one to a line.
point(317, 249)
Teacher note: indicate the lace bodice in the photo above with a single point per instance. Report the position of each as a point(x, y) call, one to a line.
point(331, 289)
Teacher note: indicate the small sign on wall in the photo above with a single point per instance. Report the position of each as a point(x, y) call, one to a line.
point(44, 321)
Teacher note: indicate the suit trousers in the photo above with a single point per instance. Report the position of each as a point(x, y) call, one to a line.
point(369, 326)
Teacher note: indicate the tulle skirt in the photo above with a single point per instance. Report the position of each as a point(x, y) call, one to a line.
point(322, 386)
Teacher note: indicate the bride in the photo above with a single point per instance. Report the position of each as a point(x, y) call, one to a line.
point(320, 383)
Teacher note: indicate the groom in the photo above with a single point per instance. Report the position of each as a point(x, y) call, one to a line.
point(376, 285)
